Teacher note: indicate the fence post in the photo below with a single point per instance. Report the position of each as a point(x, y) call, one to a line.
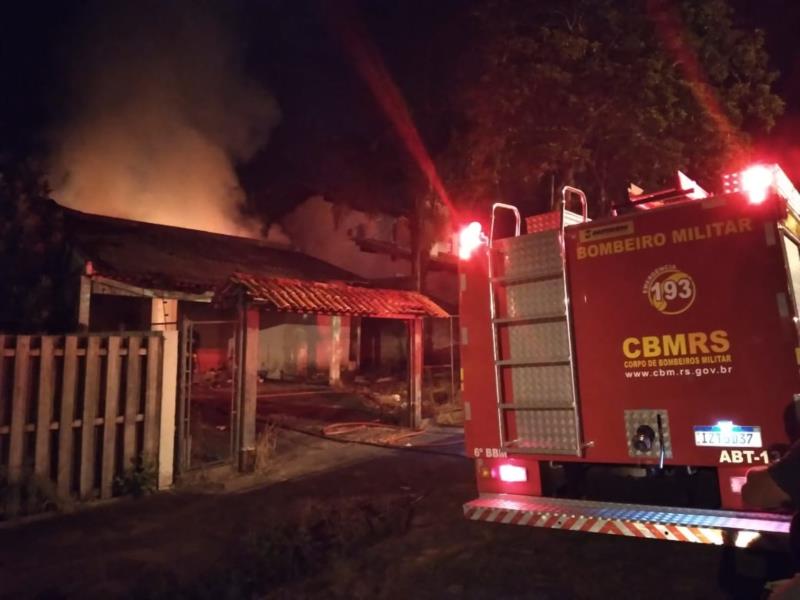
point(91, 390)
point(151, 403)
point(65, 429)
point(110, 417)
point(247, 403)
point(132, 396)
point(44, 409)
point(17, 434)
point(415, 363)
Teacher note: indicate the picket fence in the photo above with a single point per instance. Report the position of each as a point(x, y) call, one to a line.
point(80, 409)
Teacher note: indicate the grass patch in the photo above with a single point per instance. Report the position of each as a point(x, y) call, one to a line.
point(275, 554)
point(140, 479)
point(266, 444)
point(30, 495)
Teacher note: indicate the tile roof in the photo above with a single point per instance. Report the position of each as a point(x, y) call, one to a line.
point(336, 298)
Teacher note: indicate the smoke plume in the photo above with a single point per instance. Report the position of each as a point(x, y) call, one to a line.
point(161, 111)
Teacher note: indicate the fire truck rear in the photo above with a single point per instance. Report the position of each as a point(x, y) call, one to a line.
point(622, 375)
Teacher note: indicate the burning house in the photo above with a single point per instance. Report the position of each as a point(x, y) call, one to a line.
point(251, 316)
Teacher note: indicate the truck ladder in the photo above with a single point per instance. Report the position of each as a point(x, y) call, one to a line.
point(539, 366)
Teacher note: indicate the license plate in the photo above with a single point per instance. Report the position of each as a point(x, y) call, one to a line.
point(736, 436)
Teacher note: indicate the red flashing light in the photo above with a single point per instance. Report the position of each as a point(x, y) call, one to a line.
point(470, 238)
point(756, 181)
point(513, 473)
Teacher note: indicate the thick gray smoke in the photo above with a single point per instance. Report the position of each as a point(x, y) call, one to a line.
point(161, 112)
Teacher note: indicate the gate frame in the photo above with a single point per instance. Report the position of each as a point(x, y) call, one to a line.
point(183, 446)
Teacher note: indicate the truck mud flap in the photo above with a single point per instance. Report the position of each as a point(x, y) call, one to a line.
point(633, 520)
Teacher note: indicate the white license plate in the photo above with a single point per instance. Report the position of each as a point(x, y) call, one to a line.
point(749, 437)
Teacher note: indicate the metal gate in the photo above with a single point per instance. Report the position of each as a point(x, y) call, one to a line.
point(207, 412)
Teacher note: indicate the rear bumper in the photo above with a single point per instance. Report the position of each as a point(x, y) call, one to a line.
point(634, 520)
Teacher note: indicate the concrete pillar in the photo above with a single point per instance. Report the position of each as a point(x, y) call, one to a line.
point(335, 372)
point(84, 303)
point(164, 314)
point(169, 396)
point(248, 398)
point(415, 362)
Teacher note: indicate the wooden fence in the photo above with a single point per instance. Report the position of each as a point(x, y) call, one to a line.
point(79, 409)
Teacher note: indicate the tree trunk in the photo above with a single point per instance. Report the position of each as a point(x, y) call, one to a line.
point(417, 274)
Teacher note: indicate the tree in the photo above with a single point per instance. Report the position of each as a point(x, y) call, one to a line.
point(36, 267)
point(599, 93)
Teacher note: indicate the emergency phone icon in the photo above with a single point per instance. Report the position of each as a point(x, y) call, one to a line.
point(670, 290)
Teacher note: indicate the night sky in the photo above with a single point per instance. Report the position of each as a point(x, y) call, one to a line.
point(331, 137)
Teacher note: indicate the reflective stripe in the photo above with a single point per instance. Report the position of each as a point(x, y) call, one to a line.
point(493, 514)
point(687, 533)
point(623, 529)
point(578, 525)
point(713, 536)
point(644, 530)
point(597, 525)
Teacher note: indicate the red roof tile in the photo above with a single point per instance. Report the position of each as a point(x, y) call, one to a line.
point(336, 298)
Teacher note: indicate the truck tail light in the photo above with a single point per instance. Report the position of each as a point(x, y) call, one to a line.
point(470, 238)
point(512, 473)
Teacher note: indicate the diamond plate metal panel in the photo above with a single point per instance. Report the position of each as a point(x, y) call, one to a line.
point(533, 255)
point(636, 418)
point(536, 298)
point(539, 342)
point(551, 220)
point(542, 386)
point(543, 222)
point(546, 430)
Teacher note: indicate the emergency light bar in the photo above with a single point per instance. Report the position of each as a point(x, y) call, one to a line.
point(758, 180)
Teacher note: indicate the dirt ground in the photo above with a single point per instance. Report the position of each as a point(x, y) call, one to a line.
point(171, 544)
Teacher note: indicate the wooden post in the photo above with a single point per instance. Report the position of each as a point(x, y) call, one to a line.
point(65, 430)
point(335, 369)
point(133, 382)
point(110, 417)
point(356, 322)
point(151, 399)
point(18, 410)
point(91, 390)
point(250, 324)
point(44, 409)
point(415, 362)
point(84, 303)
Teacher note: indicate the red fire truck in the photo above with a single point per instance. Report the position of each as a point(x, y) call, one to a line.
point(622, 375)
